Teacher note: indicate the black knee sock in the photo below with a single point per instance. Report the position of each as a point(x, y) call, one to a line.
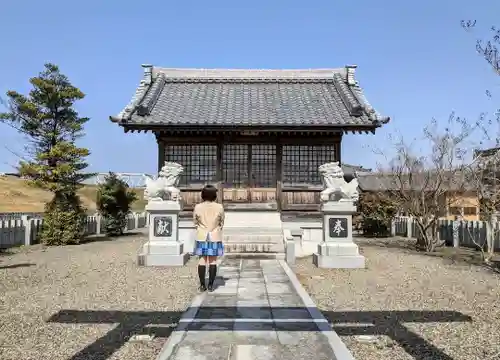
point(201, 274)
point(212, 271)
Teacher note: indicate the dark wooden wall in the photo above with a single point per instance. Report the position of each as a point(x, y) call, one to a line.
point(271, 170)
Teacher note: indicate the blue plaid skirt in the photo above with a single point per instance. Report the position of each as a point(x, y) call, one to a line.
point(209, 248)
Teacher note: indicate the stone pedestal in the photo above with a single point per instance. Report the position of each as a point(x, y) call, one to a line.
point(163, 247)
point(337, 250)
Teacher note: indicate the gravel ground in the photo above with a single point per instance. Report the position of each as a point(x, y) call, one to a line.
point(86, 301)
point(399, 286)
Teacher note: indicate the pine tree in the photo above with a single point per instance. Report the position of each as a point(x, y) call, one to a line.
point(113, 202)
point(53, 161)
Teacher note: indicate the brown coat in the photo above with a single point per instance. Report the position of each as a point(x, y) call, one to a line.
point(208, 217)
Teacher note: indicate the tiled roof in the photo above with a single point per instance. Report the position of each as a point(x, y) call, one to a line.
point(426, 181)
point(316, 97)
point(355, 169)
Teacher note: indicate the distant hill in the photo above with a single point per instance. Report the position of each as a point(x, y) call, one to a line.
point(16, 195)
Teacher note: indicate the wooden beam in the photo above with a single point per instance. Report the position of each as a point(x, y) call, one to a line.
point(254, 131)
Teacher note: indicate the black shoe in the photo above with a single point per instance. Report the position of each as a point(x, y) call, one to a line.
point(210, 288)
point(202, 288)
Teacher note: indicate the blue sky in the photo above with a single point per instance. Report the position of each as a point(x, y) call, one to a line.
point(414, 60)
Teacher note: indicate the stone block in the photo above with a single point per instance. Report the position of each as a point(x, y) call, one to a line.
point(164, 248)
point(339, 262)
point(162, 253)
point(163, 260)
point(338, 251)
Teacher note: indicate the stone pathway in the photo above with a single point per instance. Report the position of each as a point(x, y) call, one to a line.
point(258, 311)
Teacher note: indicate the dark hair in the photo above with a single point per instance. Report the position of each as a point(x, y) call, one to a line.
point(209, 193)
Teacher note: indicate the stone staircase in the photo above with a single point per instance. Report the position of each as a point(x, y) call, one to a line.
point(254, 234)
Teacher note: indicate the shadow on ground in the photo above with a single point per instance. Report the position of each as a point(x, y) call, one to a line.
point(161, 324)
point(15, 266)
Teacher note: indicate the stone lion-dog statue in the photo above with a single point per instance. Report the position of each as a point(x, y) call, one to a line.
point(336, 188)
point(164, 187)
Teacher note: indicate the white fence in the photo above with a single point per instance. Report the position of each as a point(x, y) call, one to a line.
point(454, 233)
point(25, 230)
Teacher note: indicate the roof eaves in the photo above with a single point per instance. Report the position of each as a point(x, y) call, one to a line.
point(360, 96)
point(140, 92)
point(148, 101)
point(346, 95)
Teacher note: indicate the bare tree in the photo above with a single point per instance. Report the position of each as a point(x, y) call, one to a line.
point(484, 174)
point(484, 177)
point(423, 181)
point(488, 48)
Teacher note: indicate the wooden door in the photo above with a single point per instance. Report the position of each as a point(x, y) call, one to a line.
point(249, 174)
point(263, 172)
point(235, 174)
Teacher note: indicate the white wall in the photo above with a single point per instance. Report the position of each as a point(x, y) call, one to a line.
point(187, 234)
point(312, 235)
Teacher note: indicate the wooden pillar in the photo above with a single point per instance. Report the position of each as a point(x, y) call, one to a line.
point(338, 150)
point(251, 183)
point(161, 152)
point(279, 176)
point(220, 180)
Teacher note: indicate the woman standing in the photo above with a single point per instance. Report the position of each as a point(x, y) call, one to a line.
point(208, 217)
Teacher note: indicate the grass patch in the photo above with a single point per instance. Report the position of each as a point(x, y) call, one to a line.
point(16, 195)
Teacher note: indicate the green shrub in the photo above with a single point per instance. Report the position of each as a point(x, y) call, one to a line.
point(63, 221)
point(114, 200)
point(376, 212)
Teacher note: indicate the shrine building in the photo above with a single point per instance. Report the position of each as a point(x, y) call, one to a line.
point(258, 135)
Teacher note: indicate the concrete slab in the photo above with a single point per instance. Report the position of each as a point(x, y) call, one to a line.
point(288, 300)
point(280, 352)
point(251, 274)
point(218, 300)
point(253, 312)
point(279, 288)
point(202, 338)
point(254, 302)
point(207, 352)
point(258, 315)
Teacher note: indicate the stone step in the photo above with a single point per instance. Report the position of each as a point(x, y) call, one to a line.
point(250, 238)
point(256, 256)
point(230, 231)
point(252, 219)
point(254, 248)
